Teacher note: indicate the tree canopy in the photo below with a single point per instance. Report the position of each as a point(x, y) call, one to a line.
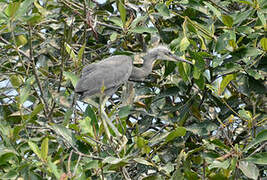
point(200, 121)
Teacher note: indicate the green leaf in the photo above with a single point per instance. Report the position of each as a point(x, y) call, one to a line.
point(36, 111)
point(124, 111)
point(141, 142)
point(85, 126)
point(179, 131)
point(200, 82)
point(21, 40)
point(199, 66)
point(262, 136)
point(218, 164)
point(70, 51)
point(143, 29)
point(117, 21)
point(113, 36)
point(24, 8)
point(184, 44)
point(53, 168)
point(112, 160)
point(261, 14)
point(227, 20)
point(141, 160)
point(259, 158)
point(81, 51)
point(35, 149)
point(183, 71)
point(137, 20)
point(24, 94)
point(255, 74)
point(92, 164)
point(122, 10)
point(12, 9)
point(44, 149)
point(16, 80)
point(89, 112)
point(34, 19)
point(213, 9)
point(41, 10)
point(64, 133)
point(163, 10)
point(72, 77)
point(263, 43)
point(226, 80)
point(249, 169)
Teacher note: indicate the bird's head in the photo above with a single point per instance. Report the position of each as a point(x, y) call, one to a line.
point(164, 53)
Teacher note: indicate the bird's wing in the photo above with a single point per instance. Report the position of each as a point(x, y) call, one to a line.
point(88, 69)
point(109, 73)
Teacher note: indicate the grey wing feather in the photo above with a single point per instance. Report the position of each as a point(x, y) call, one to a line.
point(88, 69)
point(110, 73)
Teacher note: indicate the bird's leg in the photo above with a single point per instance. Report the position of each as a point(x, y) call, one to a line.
point(106, 118)
point(102, 112)
point(128, 94)
point(106, 121)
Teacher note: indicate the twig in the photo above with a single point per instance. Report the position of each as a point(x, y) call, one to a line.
point(46, 110)
point(76, 166)
point(218, 6)
point(69, 160)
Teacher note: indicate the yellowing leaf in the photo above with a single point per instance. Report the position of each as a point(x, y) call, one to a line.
point(226, 80)
point(44, 149)
point(263, 43)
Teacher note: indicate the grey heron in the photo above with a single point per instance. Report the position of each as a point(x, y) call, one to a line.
point(112, 72)
point(109, 74)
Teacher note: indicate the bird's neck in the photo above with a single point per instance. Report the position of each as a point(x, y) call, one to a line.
point(148, 63)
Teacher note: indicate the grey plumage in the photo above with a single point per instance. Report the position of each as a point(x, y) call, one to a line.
point(112, 72)
point(109, 74)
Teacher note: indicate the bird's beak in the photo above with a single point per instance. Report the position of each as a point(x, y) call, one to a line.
point(176, 58)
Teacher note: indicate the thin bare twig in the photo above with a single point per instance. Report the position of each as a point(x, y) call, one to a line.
point(46, 110)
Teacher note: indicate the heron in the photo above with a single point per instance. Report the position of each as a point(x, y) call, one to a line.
point(109, 74)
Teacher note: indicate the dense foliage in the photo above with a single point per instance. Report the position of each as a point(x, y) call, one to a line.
point(206, 121)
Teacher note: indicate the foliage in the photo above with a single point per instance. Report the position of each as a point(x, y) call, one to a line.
point(187, 122)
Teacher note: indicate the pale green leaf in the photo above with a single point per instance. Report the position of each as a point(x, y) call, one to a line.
point(143, 29)
point(249, 169)
point(35, 149)
point(24, 94)
point(117, 21)
point(72, 77)
point(70, 51)
point(24, 8)
point(141, 160)
point(184, 44)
